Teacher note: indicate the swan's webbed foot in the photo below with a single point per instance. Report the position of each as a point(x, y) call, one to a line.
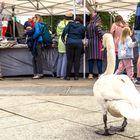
point(105, 132)
point(119, 128)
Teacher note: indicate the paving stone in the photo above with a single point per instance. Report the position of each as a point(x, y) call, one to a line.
point(47, 111)
point(133, 129)
point(91, 119)
point(11, 101)
point(39, 90)
point(13, 121)
point(54, 130)
point(80, 91)
point(83, 102)
point(4, 114)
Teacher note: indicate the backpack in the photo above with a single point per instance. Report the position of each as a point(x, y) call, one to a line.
point(47, 39)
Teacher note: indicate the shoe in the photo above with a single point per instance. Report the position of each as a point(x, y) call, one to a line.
point(41, 75)
point(137, 83)
point(62, 78)
point(134, 80)
point(76, 78)
point(67, 78)
point(99, 75)
point(90, 76)
point(38, 76)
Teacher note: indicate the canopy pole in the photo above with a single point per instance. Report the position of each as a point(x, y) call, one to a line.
point(51, 23)
point(13, 18)
point(84, 56)
point(74, 10)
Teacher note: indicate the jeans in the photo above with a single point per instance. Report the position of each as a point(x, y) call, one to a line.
point(137, 37)
point(37, 61)
point(99, 66)
point(61, 65)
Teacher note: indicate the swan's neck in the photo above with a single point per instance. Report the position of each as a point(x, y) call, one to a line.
point(111, 59)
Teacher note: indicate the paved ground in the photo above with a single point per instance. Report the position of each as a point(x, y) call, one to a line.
point(52, 109)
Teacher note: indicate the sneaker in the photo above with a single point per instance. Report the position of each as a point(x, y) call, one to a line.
point(62, 78)
point(41, 75)
point(137, 83)
point(90, 76)
point(38, 76)
point(99, 75)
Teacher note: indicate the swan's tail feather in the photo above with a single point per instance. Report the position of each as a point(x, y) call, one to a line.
point(128, 110)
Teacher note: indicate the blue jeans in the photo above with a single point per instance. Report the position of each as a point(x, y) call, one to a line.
point(37, 60)
point(61, 65)
point(137, 37)
point(99, 66)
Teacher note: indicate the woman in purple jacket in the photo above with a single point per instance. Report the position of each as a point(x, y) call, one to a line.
point(94, 35)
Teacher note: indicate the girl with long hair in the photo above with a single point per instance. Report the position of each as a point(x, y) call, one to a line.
point(125, 53)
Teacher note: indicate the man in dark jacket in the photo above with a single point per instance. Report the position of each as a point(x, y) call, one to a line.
point(137, 36)
point(74, 46)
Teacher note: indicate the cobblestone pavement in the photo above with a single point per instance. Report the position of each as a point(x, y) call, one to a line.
point(52, 109)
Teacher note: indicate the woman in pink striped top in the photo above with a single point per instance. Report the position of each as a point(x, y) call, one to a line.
point(116, 31)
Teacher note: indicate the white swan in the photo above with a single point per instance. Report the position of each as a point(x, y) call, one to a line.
point(116, 93)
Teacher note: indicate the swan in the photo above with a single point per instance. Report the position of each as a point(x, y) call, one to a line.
point(116, 93)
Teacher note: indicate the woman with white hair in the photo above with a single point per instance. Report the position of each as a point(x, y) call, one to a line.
point(94, 35)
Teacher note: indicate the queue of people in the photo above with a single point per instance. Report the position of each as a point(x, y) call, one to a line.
point(70, 45)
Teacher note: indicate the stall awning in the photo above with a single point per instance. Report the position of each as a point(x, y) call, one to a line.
point(59, 7)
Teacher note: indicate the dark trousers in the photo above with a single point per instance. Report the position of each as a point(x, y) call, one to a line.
point(99, 66)
point(37, 60)
point(73, 58)
point(117, 63)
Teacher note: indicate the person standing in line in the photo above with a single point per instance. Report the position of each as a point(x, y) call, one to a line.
point(36, 44)
point(62, 58)
point(137, 37)
point(4, 27)
point(94, 35)
point(32, 22)
point(125, 53)
point(75, 32)
point(116, 31)
point(27, 23)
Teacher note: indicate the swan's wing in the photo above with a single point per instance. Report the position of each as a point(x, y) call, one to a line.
point(116, 87)
point(127, 109)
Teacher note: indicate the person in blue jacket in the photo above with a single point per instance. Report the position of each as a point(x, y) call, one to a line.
point(35, 43)
point(75, 32)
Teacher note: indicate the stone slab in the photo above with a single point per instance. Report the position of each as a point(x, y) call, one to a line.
point(12, 101)
point(54, 130)
point(47, 111)
point(81, 102)
point(13, 121)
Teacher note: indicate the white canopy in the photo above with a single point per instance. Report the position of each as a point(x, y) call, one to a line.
point(59, 7)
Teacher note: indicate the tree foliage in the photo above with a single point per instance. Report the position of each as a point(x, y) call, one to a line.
point(131, 20)
point(52, 21)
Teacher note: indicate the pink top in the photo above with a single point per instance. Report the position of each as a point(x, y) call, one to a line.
point(116, 31)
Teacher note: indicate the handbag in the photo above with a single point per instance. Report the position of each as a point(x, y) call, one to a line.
point(85, 42)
